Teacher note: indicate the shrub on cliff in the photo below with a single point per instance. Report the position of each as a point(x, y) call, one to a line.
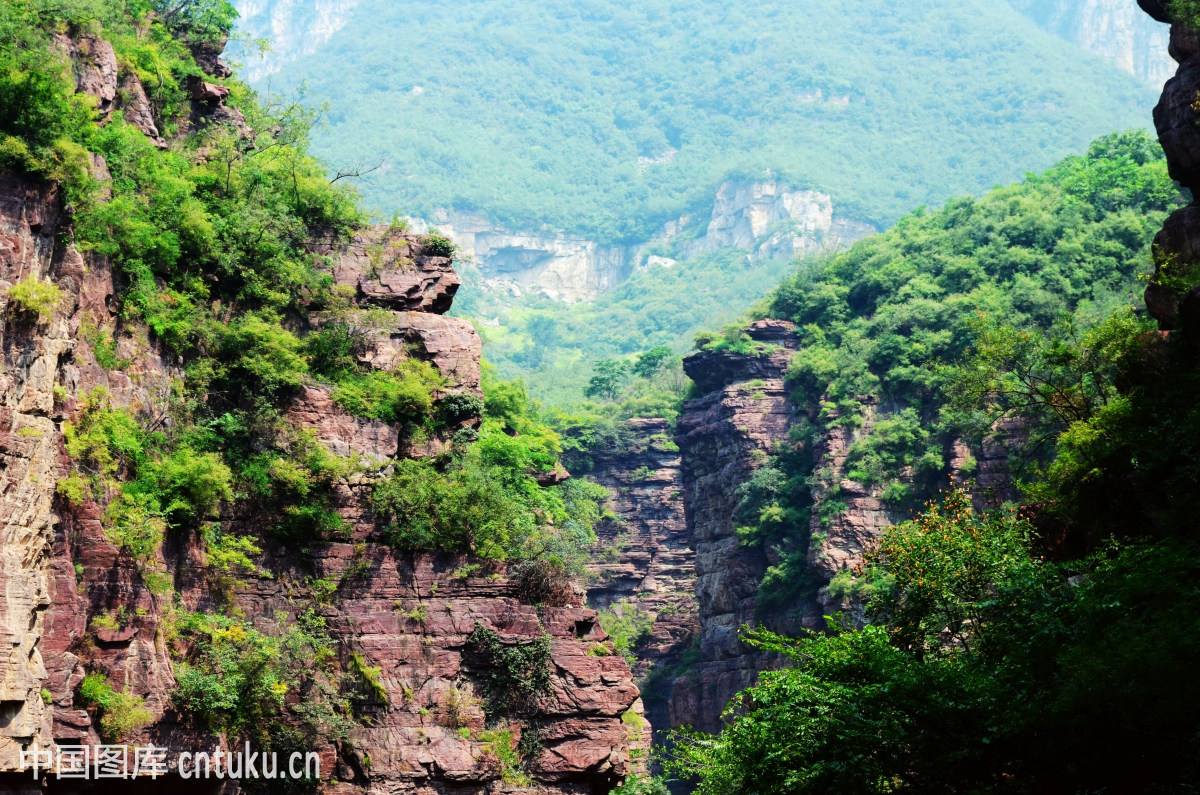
point(437, 245)
point(463, 509)
point(37, 298)
point(198, 20)
point(402, 395)
point(122, 714)
point(515, 676)
point(234, 679)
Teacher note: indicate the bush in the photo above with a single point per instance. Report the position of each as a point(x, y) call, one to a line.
point(636, 785)
point(227, 553)
point(436, 245)
point(108, 442)
point(265, 356)
point(368, 680)
point(465, 509)
point(191, 485)
point(199, 20)
point(234, 678)
point(544, 581)
point(35, 297)
point(404, 394)
point(501, 743)
point(459, 407)
point(515, 677)
point(122, 715)
point(136, 524)
point(332, 350)
point(626, 626)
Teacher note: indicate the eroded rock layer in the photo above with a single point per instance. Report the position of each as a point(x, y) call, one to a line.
point(407, 615)
point(743, 416)
point(644, 559)
point(723, 436)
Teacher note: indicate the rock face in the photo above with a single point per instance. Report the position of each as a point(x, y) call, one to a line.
point(1112, 29)
point(723, 436)
point(1171, 296)
point(409, 615)
point(29, 217)
point(558, 266)
point(295, 29)
point(411, 618)
point(644, 558)
point(394, 272)
point(768, 220)
point(771, 221)
point(743, 414)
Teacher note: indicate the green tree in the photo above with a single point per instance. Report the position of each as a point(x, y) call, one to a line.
point(608, 377)
point(649, 363)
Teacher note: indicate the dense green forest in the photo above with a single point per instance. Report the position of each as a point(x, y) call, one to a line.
point(553, 346)
point(1042, 646)
point(537, 113)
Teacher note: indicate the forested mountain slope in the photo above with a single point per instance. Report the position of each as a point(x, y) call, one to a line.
point(1116, 30)
point(603, 153)
point(538, 113)
point(1032, 627)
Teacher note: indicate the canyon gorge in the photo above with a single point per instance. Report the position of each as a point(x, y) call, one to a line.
point(360, 425)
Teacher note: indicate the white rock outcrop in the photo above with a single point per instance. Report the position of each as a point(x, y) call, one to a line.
point(767, 219)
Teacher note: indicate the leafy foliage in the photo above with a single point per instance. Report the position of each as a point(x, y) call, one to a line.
point(637, 785)
point(148, 485)
point(122, 714)
point(500, 742)
point(634, 106)
point(626, 627)
point(515, 676)
point(203, 20)
point(1019, 302)
point(399, 396)
point(983, 675)
point(234, 678)
point(36, 297)
point(486, 499)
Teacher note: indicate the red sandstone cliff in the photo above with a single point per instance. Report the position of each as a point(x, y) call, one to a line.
point(644, 558)
point(742, 415)
point(409, 615)
point(724, 435)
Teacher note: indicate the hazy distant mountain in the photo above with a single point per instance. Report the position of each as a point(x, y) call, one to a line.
point(1116, 30)
point(609, 118)
point(661, 161)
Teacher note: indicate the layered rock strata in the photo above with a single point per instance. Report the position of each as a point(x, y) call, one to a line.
point(724, 435)
point(409, 615)
point(644, 559)
point(742, 416)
